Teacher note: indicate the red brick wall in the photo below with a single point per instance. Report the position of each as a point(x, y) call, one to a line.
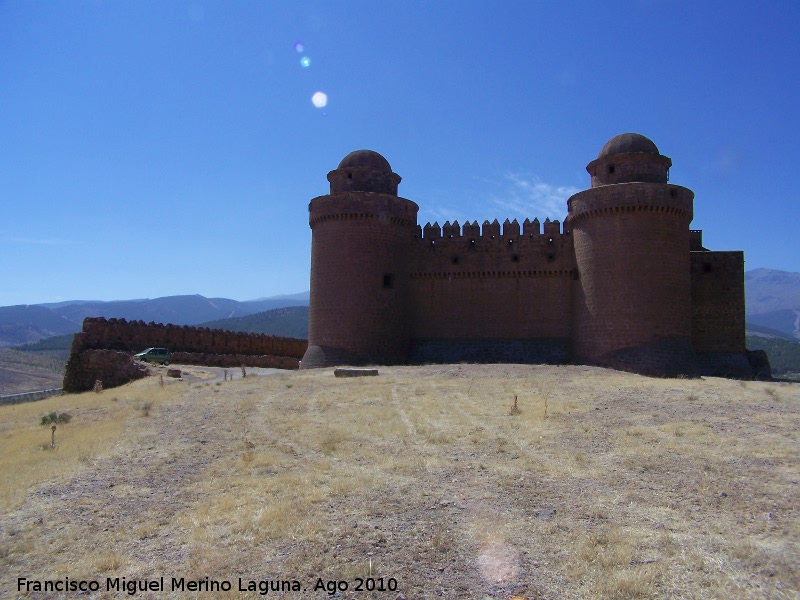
point(629, 167)
point(631, 246)
point(359, 275)
point(492, 285)
point(718, 306)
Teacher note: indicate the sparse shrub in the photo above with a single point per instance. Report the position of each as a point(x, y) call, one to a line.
point(514, 407)
point(55, 418)
point(145, 408)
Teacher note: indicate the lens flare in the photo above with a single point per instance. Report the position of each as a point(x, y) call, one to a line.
point(299, 47)
point(305, 62)
point(320, 99)
point(499, 563)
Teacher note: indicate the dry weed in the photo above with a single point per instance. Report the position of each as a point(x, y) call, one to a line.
point(603, 485)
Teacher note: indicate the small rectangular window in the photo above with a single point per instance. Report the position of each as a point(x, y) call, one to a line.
point(388, 281)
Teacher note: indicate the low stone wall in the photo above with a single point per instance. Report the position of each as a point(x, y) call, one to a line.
point(104, 350)
point(112, 367)
point(235, 360)
point(135, 336)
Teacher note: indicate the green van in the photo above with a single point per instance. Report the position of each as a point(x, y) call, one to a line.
point(154, 355)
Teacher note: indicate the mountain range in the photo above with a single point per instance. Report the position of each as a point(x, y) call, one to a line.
point(29, 323)
point(773, 300)
point(773, 310)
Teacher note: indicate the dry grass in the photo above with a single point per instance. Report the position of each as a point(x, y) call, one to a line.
point(593, 484)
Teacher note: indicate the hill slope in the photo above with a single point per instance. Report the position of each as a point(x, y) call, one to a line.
point(25, 372)
point(25, 324)
point(773, 300)
point(284, 322)
point(604, 485)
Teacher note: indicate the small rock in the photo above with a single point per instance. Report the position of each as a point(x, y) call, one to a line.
point(546, 513)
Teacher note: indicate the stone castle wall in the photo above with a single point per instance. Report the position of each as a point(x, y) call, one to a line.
point(104, 350)
point(135, 336)
point(470, 283)
point(718, 302)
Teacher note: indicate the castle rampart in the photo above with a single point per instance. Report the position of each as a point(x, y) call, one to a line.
point(104, 347)
point(616, 284)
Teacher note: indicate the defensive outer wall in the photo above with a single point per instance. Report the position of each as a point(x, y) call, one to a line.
point(104, 350)
point(625, 282)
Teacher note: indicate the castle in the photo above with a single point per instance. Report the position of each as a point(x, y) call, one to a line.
point(624, 283)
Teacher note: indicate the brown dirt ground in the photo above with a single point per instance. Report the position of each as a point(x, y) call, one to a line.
point(607, 485)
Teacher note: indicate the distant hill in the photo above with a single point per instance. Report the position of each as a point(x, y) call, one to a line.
point(773, 300)
point(284, 322)
point(760, 330)
point(25, 324)
point(57, 347)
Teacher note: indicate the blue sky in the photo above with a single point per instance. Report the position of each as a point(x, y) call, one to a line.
point(152, 148)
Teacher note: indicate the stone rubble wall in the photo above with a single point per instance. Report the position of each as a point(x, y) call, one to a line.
point(112, 367)
point(104, 350)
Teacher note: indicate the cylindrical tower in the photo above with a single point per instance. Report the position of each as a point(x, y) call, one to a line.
point(632, 299)
point(362, 239)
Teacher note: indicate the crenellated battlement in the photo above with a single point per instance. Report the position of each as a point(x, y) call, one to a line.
point(473, 231)
point(493, 250)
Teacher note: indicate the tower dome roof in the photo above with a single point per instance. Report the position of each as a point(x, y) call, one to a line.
point(628, 142)
point(367, 159)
